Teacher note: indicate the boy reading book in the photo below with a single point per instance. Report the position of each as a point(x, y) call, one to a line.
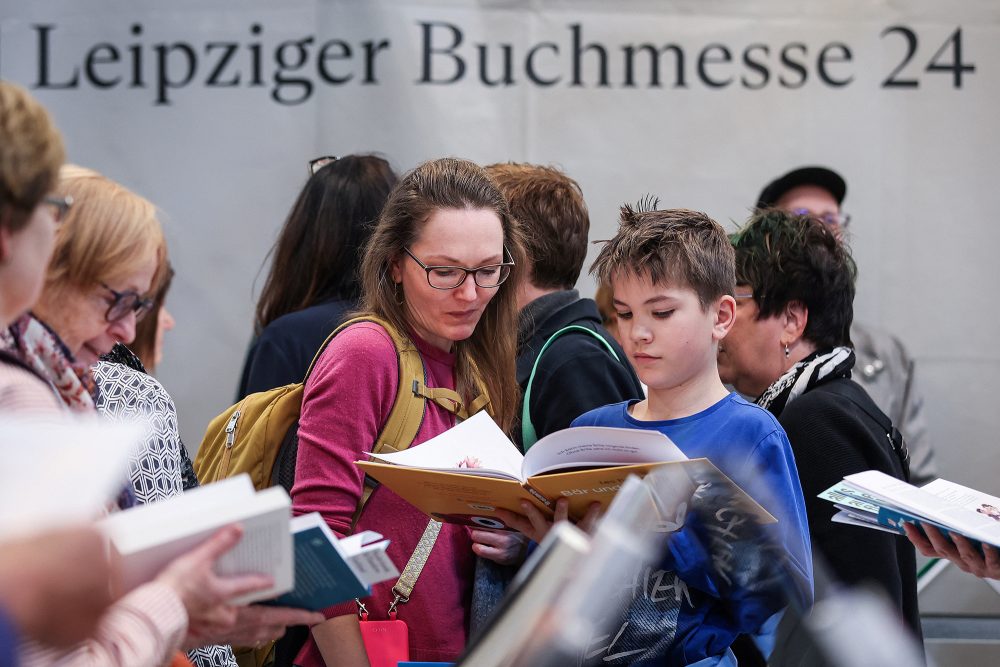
point(672, 276)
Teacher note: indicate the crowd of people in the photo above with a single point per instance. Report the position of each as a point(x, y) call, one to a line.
point(741, 348)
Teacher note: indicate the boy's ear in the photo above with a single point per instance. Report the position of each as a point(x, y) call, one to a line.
point(725, 316)
point(795, 316)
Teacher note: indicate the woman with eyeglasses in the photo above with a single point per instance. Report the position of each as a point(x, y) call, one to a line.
point(313, 281)
point(437, 270)
point(791, 347)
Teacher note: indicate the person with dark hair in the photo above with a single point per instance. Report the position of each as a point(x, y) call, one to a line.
point(313, 282)
point(791, 346)
point(579, 371)
point(884, 367)
point(435, 276)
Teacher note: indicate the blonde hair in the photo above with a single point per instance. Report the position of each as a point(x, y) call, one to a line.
point(107, 234)
point(31, 152)
point(489, 354)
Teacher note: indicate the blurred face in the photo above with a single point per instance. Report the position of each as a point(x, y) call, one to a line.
point(79, 315)
point(25, 256)
point(669, 338)
point(752, 356)
point(469, 238)
point(812, 200)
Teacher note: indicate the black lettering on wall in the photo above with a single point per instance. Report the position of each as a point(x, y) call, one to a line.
point(101, 54)
point(828, 55)
point(228, 50)
point(429, 50)
point(654, 64)
point(756, 66)
point(529, 64)
point(706, 58)
point(793, 65)
point(42, 81)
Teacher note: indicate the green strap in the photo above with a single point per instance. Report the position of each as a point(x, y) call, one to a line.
point(528, 435)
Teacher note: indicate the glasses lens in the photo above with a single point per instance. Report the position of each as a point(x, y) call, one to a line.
point(492, 276)
point(446, 277)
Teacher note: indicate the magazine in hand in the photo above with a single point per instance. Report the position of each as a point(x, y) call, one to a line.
point(875, 500)
point(465, 474)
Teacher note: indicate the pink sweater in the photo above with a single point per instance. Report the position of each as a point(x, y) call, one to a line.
point(347, 400)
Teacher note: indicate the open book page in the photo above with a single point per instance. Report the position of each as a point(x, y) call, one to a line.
point(476, 446)
point(77, 468)
point(596, 446)
point(925, 503)
point(364, 552)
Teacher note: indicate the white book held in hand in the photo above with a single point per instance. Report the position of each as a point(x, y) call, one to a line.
point(148, 537)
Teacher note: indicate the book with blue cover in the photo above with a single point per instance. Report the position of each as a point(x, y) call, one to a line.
point(328, 570)
point(875, 500)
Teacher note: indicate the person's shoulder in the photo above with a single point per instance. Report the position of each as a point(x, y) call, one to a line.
point(362, 344)
point(125, 387)
point(606, 415)
point(291, 325)
point(738, 411)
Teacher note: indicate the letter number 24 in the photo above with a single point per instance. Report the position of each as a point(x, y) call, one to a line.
point(951, 47)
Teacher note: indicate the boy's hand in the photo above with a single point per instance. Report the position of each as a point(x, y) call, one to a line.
point(536, 526)
point(500, 546)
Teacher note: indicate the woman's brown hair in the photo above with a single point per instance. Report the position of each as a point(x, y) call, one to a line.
point(490, 353)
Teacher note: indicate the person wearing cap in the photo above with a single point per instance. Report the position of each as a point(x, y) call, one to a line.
point(884, 367)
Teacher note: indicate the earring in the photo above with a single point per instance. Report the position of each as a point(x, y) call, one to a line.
point(787, 352)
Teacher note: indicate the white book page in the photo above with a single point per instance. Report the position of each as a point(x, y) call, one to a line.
point(924, 503)
point(476, 446)
point(845, 517)
point(962, 495)
point(595, 446)
point(61, 471)
point(191, 511)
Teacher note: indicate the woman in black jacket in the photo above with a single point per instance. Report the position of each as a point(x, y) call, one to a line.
point(791, 347)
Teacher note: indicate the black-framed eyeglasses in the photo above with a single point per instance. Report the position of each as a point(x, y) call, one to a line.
point(318, 163)
point(450, 277)
point(125, 303)
point(60, 206)
point(841, 220)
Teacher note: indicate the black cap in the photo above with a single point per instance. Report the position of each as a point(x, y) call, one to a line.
point(825, 178)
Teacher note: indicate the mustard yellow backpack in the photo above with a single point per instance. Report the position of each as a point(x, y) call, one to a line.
point(259, 435)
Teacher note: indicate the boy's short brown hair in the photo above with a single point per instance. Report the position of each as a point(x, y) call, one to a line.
point(550, 207)
point(673, 246)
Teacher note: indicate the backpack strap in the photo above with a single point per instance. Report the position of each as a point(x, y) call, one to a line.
point(412, 394)
point(528, 435)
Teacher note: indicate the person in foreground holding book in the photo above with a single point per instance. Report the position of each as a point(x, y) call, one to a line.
point(147, 625)
point(791, 346)
point(434, 273)
point(671, 273)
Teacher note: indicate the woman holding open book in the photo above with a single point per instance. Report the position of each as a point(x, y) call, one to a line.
point(435, 276)
point(790, 345)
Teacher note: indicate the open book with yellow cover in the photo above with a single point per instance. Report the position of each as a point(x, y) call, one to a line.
point(465, 474)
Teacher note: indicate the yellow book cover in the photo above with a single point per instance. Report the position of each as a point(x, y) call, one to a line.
point(468, 472)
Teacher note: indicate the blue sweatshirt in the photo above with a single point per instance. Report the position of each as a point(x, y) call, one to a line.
point(693, 606)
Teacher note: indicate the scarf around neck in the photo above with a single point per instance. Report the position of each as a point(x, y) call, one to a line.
point(819, 367)
point(42, 349)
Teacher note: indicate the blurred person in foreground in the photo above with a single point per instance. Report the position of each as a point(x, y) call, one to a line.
point(55, 586)
point(790, 346)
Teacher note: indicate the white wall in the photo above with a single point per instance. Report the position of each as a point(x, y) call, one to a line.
point(225, 163)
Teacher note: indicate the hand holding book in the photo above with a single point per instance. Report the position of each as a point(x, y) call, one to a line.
point(931, 543)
